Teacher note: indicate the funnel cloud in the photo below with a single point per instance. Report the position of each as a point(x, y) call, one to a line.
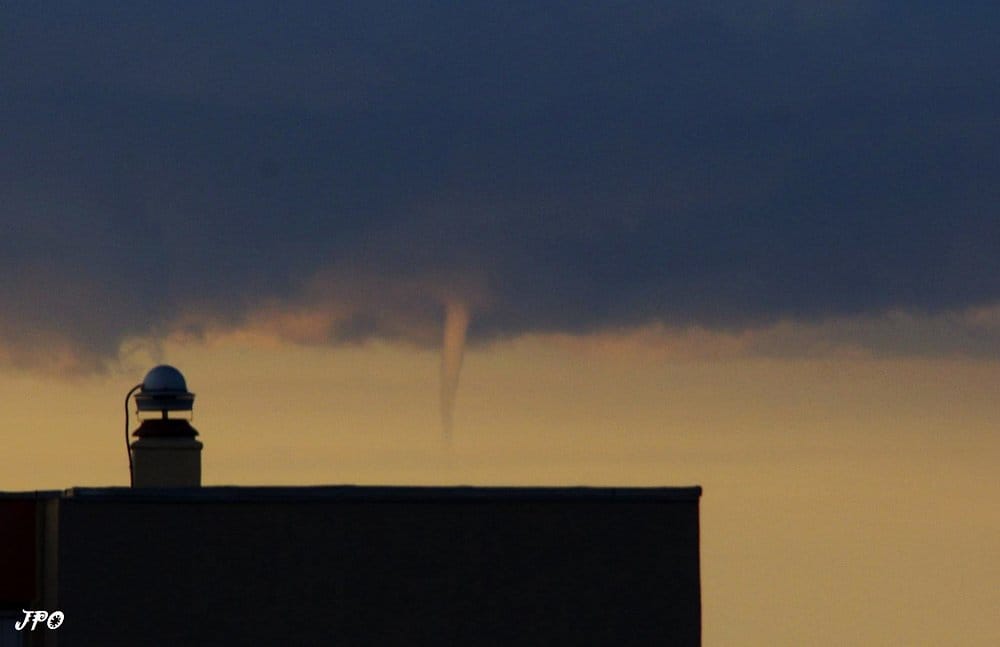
point(456, 325)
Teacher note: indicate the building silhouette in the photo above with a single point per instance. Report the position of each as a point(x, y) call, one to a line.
point(169, 562)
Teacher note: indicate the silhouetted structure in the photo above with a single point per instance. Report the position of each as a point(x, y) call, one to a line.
point(166, 562)
point(353, 565)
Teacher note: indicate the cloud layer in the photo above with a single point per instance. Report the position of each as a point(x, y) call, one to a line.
point(558, 167)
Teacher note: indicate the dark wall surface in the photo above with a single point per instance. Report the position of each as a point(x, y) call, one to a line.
point(17, 553)
point(380, 566)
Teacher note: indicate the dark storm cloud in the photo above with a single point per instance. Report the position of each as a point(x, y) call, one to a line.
point(559, 166)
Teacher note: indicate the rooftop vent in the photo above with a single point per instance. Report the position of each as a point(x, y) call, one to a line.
point(165, 453)
point(164, 389)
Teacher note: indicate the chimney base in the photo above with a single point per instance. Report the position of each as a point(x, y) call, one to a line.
point(166, 454)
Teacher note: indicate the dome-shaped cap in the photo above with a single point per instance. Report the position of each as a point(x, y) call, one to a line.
point(164, 389)
point(164, 378)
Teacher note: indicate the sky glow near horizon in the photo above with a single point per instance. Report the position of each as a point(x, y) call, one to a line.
point(750, 247)
point(846, 500)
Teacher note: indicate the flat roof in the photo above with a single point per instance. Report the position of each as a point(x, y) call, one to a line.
point(394, 494)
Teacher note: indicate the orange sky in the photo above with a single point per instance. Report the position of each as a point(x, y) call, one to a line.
point(846, 500)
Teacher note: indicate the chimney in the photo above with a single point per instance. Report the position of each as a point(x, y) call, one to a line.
point(166, 453)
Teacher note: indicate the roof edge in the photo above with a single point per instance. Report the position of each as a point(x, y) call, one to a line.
point(347, 493)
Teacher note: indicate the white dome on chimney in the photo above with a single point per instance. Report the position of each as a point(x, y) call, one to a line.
point(164, 389)
point(164, 378)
